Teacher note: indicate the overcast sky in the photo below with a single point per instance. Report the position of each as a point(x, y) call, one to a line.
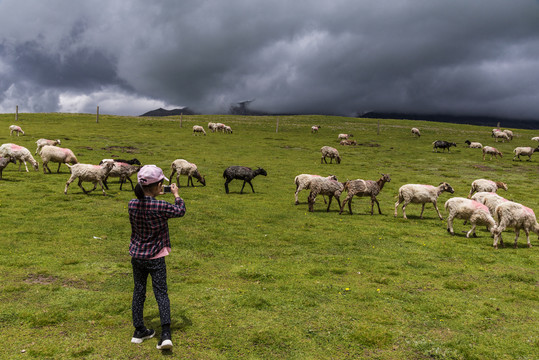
point(346, 57)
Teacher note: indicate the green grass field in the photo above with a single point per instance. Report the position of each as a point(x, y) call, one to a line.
point(253, 276)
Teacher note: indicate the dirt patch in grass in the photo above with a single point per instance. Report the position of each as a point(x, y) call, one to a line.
point(39, 279)
point(369, 144)
point(124, 149)
point(483, 167)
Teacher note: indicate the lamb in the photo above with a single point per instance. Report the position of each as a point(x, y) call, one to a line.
point(348, 142)
point(525, 151)
point(15, 128)
point(467, 209)
point(474, 145)
point(535, 138)
point(487, 186)
point(332, 153)
point(492, 151)
point(500, 135)
point(364, 188)
point(517, 216)
point(92, 173)
point(4, 161)
point(415, 132)
point(344, 136)
point(242, 173)
point(42, 142)
point(58, 155)
point(198, 129)
point(315, 128)
point(324, 186)
point(421, 194)
point(443, 145)
point(184, 167)
point(19, 153)
point(303, 181)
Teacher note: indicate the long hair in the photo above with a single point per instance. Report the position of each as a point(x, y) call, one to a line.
point(139, 189)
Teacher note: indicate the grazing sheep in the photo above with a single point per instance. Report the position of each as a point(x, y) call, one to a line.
point(42, 142)
point(15, 128)
point(490, 200)
point(525, 151)
point(509, 134)
point(242, 173)
point(211, 126)
point(467, 209)
point(303, 181)
point(198, 129)
point(344, 136)
point(19, 153)
point(348, 142)
point(474, 145)
point(329, 187)
point(517, 216)
point(4, 161)
point(220, 127)
point(443, 145)
point(122, 170)
point(501, 135)
point(91, 173)
point(415, 132)
point(315, 128)
point(421, 194)
point(184, 167)
point(227, 129)
point(332, 153)
point(58, 155)
point(492, 151)
point(364, 188)
point(536, 138)
point(487, 186)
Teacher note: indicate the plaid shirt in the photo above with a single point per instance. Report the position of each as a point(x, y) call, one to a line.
point(149, 226)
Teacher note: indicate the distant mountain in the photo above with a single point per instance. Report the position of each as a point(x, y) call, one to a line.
point(454, 119)
point(174, 112)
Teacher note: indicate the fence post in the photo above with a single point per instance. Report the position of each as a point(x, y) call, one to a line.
point(277, 127)
point(181, 119)
point(378, 130)
point(97, 115)
point(17, 113)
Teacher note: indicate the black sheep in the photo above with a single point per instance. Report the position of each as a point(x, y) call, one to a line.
point(242, 173)
point(443, 145)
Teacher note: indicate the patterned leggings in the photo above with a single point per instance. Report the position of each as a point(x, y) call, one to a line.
point(158, 271)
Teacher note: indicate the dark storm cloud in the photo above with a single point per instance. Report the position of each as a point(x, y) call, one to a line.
point(341, 57)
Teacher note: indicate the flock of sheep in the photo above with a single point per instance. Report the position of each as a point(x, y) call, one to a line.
point(483, 208)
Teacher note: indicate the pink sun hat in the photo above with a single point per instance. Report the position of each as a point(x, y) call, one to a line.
point(150, 174)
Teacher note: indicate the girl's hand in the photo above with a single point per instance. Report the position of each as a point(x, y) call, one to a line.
point(174, 190)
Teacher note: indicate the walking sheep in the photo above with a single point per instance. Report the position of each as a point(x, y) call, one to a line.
point(303, 181)
point(211, 126)
point(415, 132)
point(535, 138)
point(470, 210)
point(486, 185)
point(501, 135)
point(324, 186)
point(490, 200)
point(524, 151)
point(517, 216)
point(4, 161)
point(58, 155)
point(443, 145)
point(198, 129)
point(91, 173)
point(332, 153)
point(344, 136)
point(473, 145)
point(492, 151)
point(364, 188)
point(241, 173)
point(15, 128)
point(42, 142)
point(19, 153)
point(509, 134)
point(184, 167)
point(122, 170)
point(315, 128)
point(421, 194)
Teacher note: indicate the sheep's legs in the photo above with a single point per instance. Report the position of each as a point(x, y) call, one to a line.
point(58, 171)
point(472, 231)
point(450, 224)
point(435, 203)
point(373, 200)
point(348, 200)
point(245, 181)
point(226, 184)
point(170, 177)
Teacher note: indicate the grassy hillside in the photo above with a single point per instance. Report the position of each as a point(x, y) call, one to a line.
point(252, 275)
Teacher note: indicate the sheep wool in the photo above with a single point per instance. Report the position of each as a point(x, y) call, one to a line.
point(361, 188)
point(421, 194)
point(324, 186)
point(58, 155)
point(514, 215)
point(19, 153)
point(184, 167)
point(470, 210)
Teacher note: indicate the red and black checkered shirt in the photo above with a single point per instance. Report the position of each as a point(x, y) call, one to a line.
point(149, 226)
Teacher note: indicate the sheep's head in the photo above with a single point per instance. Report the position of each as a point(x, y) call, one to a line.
point(338, 159)
point(333, 177)
point(261, 171)
point(501, 185)
point(447, 187)
point(468, 142)
point(201, 179)
point(386, 178)
point(35, 164)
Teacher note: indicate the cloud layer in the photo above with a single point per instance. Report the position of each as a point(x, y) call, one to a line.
point(341, 57)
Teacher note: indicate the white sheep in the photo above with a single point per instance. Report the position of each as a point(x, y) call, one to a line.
point(184, 167)
point(348, 142)
point(315, 128)
point(509, 134)
point(501, 135)
point(15, 128)
point(332, 153)
point(19, 153)
point(58, 155)
point(474, 145)
point(220, 127)
point(227, 129)
point(324, 186)
point(303, 181)
point(524, 151)
point(42, 142)
point(487, 186)
point(470, 210)
point(492, 151)
point(415, 132)
point(490, 200)
point(198, 129)
point(421, 194)
point(517, 216)
point(121, 170)
point(95, 174)
point(4, 161)
point(344, 136)
point(535, 138)
point(211, 126)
